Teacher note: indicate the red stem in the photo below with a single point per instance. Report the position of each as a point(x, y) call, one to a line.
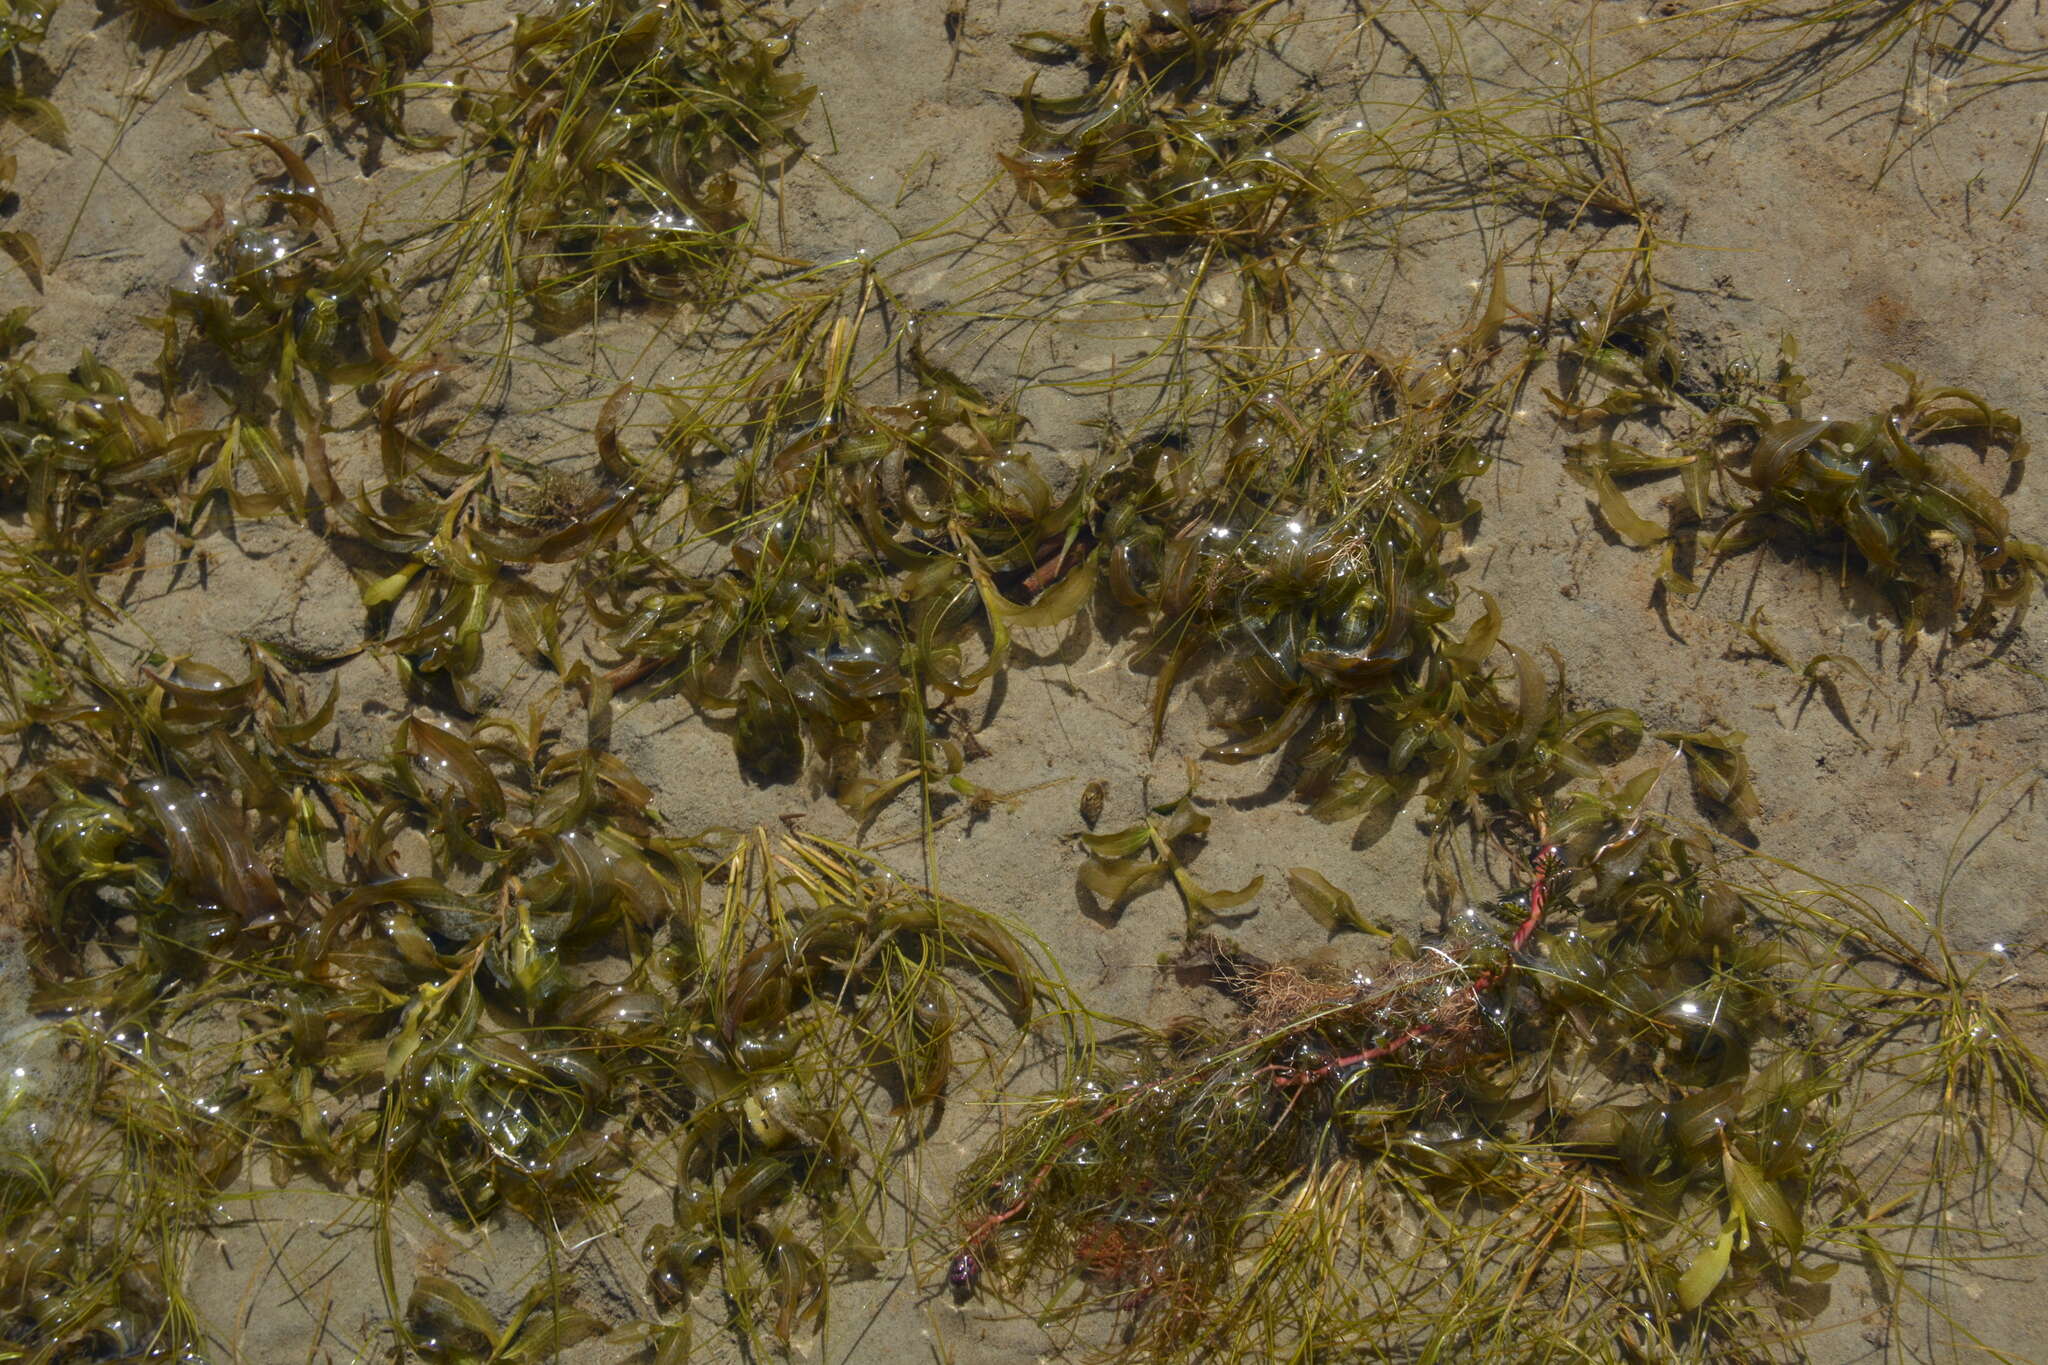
point(1548, 862)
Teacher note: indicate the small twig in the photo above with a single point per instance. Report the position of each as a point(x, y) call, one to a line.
point(1068, 553)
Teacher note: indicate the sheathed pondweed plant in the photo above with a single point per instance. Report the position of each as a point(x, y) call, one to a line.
point(1318, 554)
point(97, 1206)
point(1123, 863)
point(878, 553)
point(882, 554)
point(1169, 153)
point(1172, 152)
point(456, 970)
point(1932, 537)
point(1938, 541)
point(478, 969)
point(1935, 57)
point(1153, 154)
point(1617, 1114)
point(1938, 1043)
point(86, 470)
point(826, 955)
point(284, 298)
point(23, 25)
point(461, 534)
point(1587, 1114)
point(359, 52)
point(619, 143)
point(21, 247)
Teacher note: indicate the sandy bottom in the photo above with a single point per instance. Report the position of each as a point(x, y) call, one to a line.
point(1777, 224)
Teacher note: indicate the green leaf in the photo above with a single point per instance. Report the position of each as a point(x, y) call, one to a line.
point(443, 1312)
point(382, 590)
point(1621, 518)
point(1719, 769)
point(1331, 906)
point(1705, 1274)
point(1203, 904)
point(1203, 900)
point(1532, 699)
point(1120, 843)
point(1182, 820)
point(1759, 1197)
point(1484, 634)
point(851, 1241)
point(1670, 577)
point(546, 1329)
point(1601, 1228)
point(1040, 45)
point(1285, 727)
point(38, 118)
point(1054, 605)
point(22, 248)
point(1117, 881)
point(532, 622)
point(1354, 794)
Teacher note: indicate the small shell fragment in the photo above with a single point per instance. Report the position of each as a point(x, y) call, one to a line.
point(1092, 797)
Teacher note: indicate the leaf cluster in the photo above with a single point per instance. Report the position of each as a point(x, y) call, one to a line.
point(873, 558)
point(620, 134)
point(1128, 862)
point(1623, 1073)
point(1322, 558)
point(1153, 153)
point(86, 1275)
point(1933, 538)
point(478, 966)
point(23, 26)
point(86, 469)
point(358, 52)
point(283, 297)
point(462, 538)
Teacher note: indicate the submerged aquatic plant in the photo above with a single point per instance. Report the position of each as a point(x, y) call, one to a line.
point(357, 51)
point(480, 969)
point(1126, 862)
point(877, 555)
point(1882, 484)
point(284, 297)
point(1939, 56)
point(1151, 147)
point(462, 534)
point(1593, 1119)
point(21, 247)
point(1933, 538)
point(86, 470)
point(1161, 154)
point(828, 972)
point(1318, 555)
point(476, 972)
point(619, 141)
point(92, 1264)
point(1174, 149)
point(23, 26)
